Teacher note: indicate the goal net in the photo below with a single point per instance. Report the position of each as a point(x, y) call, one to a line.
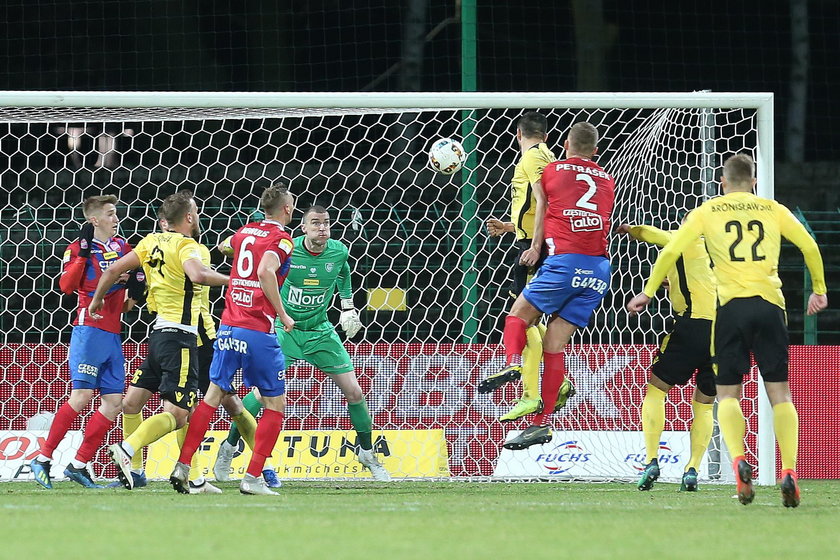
point(431, 286)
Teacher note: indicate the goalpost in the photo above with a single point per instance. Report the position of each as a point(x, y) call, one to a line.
point(430, 284)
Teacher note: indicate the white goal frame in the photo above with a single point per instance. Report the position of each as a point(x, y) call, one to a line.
point(33, 102)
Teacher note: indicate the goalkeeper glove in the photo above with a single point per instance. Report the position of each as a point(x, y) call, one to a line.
point(136, 285)
point(349, 318)
point(85, 239)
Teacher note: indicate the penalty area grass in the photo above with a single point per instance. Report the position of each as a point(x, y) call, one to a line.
point(407, 520)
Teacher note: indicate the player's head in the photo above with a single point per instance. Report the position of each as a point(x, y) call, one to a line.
point(582, 140)
point(738, 174)
point(316, 226)
point(532, 126)
point(278, 203)
point(101, 211)
point(180, 212)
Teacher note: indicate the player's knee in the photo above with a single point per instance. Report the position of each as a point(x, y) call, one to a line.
point(233, 405)
point(80, 398)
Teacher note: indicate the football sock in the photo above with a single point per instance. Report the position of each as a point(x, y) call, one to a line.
point(246, 425)
point(268, 429)
point(653, 420)
point(130, 423)
point(199, 422)
point(553, 376)
point(701, 432)
point(58, 429)
point(362, 422)
point(95, 431)
point(150, 430)
point(786, 425)
point(253, 405)
point(732, 425)
point(180, 436)
point(531, 358)
point(514, 340)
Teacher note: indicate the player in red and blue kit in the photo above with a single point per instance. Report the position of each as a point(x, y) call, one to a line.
point(95, 357)
point(574, 203)
point(246, 340)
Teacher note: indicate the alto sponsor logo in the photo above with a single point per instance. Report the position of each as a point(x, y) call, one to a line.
point(666, 457)
point(587, 223)
point(244, 298)
point(563, 457)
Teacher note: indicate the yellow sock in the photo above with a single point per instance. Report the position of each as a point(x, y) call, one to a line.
point(151, 430)
point(653, 420)
point(130, 423)
point(732, 426)
point(531, 358)
point(247, 426)
point(786, 425)
point(701, 432)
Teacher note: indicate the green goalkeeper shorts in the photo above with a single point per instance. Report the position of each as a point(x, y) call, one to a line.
point(322, 348)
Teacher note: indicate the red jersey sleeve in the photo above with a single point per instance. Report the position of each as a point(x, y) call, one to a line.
point(73, 270)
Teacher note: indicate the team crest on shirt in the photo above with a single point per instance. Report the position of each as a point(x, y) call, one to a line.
point(115, 246)
point(328, 267)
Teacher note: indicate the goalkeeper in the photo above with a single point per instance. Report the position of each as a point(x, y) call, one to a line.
point(319, 264)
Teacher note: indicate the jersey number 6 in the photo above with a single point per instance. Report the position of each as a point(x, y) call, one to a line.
point(245, 260)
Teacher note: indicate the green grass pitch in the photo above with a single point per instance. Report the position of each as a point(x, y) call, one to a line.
point(407, 520)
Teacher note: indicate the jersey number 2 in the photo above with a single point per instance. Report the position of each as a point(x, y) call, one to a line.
point(583, 202)
point(739, 236)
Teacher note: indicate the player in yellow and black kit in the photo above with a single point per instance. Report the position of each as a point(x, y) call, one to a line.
point(685, 349)
point(531, 134)
point(172, 264)
point(743, 235)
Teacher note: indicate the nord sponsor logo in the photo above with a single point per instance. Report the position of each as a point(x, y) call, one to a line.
point(298, 297)
point(563, 457)
point(666, 457)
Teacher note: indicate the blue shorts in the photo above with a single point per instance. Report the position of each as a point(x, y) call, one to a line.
point(96, 360)
point(570, 285)
point(259, 356)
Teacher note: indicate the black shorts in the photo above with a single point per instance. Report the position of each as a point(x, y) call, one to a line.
point(171, 367)
point(522, 273)
point(750, 324)
point(684, 350)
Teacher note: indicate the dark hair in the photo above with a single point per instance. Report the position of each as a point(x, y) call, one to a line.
point(583, 138)
point(739, 169)
point(274, 197)
point(95, 203)
point(314, 209)
point(533, 125)
point(175, 207)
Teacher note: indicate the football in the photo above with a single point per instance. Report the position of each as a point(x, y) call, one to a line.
point(446, 156)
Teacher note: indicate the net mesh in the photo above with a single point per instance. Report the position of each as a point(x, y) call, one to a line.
point(413, 235)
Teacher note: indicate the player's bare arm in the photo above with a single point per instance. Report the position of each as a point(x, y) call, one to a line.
point(531, 256)
point(200, 274)
point(110, 277)
point(496, 227)
point(267, 273)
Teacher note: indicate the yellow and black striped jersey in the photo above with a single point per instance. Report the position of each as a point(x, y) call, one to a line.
point(171, 293)
point(207, 325)
point(528, 171)
point(692, 284)
point(743, 236)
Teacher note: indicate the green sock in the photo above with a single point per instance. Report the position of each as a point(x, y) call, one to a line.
point(362, 422)
point(252, 405)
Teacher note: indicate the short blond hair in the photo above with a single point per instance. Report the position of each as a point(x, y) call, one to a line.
point(274, 197)
point(739, 169)
point(94, 204)
point(583, 138)
point(175, 207)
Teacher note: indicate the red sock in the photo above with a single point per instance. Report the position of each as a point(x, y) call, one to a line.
point(268, 430)
point(514, 339)
point(553, 375)
point(95, 431)
point(60, 424)
point(199, 422)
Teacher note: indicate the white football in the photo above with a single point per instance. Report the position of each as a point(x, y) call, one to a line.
point(446, 156)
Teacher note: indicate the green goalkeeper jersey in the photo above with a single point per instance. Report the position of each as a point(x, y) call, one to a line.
point(309, 287)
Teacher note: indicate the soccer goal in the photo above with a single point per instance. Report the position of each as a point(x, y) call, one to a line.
point(431, 285)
